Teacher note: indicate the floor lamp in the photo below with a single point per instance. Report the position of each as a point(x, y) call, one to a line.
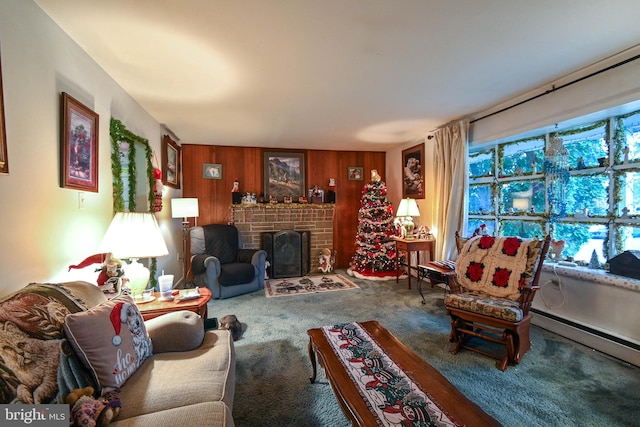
point(184, 208)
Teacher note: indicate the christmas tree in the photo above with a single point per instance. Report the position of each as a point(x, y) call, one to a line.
point(375, 248)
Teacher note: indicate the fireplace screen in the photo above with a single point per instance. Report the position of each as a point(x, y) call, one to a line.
point(288, 251)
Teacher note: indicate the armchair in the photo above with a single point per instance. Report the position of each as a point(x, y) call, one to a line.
point(220, 262)
point(491, 293)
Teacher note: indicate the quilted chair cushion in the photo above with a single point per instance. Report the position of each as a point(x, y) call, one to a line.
point(496, 266)
point(504, 309)
point(221, 241)
point(236, 273)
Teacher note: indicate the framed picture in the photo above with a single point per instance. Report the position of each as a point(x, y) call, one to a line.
point(4, 159)
point(79, 151)
point(355, 173)
point(413, 172)
point(212, 171)
point(170, 162)
point(284, 174)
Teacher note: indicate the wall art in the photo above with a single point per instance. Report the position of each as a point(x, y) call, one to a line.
point(170, 162)
point(284, 175)
point(355, 173)
point(79, 150)
point(212, 171)
point(413, 172)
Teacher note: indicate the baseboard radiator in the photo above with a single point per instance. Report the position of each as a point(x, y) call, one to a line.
point(612, 345)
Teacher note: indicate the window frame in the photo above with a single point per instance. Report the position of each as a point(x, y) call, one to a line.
point(615, 168)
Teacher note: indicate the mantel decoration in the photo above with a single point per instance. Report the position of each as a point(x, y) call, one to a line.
point(79, 150)
point(123, 142)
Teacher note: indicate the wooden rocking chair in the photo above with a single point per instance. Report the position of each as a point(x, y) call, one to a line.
point(491, 293)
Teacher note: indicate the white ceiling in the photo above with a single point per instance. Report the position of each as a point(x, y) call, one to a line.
point(336, 74)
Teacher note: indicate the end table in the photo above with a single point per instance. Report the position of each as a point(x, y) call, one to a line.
point(155, 308)
point(413, 245)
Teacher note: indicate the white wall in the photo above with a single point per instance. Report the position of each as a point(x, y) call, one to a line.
point(43, 229)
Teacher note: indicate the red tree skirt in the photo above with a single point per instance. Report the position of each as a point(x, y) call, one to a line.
point(375, 275)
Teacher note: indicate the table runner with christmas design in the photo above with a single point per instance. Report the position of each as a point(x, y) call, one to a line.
point(393, 398)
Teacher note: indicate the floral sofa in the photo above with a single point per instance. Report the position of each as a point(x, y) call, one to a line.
point(55, 338)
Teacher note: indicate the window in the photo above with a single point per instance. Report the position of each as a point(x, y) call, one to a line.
point(592, 202)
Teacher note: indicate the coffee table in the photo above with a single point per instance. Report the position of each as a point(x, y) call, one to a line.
point(428, 379)
point(156, 308)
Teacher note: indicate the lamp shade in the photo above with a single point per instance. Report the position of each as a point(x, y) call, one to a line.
point(408, 207)
point(134, 235)
point(184, 208)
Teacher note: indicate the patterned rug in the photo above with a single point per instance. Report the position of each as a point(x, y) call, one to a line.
point(307, 285)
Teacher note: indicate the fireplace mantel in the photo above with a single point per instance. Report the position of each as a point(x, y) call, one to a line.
point(252, 220)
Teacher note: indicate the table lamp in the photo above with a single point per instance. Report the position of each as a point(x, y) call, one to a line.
point(407, 210)
point(184, 208)
point(134, 235)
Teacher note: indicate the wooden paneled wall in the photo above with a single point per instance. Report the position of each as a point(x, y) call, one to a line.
point(246, 164)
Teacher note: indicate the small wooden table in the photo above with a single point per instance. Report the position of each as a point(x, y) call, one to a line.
point(436, 274)
point(413, 245)
point(430, 381)
point(155, 308)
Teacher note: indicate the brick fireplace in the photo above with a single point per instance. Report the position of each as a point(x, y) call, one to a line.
point(253, 220)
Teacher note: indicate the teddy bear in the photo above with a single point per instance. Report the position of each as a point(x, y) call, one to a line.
point(87, 411)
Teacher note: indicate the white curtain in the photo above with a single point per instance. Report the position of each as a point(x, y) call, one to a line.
point(450, 152)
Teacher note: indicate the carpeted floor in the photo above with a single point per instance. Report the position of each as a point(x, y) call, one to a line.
point(558, 383)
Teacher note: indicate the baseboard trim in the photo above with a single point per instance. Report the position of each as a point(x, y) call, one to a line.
point(606, 343)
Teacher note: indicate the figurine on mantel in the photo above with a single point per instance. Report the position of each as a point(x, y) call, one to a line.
point(331, 194)
point(236, 186)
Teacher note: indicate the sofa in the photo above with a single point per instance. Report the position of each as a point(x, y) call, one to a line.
point(52, 337)
point(220, 262)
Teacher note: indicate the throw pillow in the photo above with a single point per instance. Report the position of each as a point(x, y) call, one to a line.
point(111, 340)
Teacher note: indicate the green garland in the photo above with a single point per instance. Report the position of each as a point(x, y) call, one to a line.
point(120, 134)
point(502, 147)
point(472, 156)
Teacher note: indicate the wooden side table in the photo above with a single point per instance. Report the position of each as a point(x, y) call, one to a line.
point(436, 272)
point(156, 308)
point(413, 245)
